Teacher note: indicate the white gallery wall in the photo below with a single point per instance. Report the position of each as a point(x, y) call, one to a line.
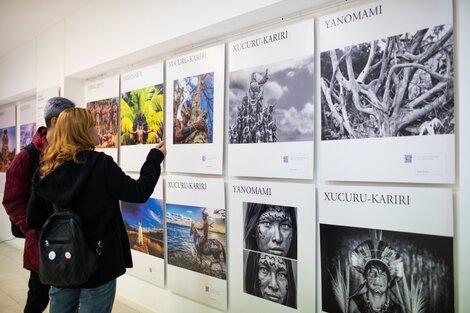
point(50, 57)
point(18, 73)
point(105, 38)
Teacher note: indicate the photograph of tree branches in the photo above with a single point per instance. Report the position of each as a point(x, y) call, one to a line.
point(397, 86)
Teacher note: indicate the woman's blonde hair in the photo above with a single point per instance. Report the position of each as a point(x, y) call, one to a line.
point(71, 135)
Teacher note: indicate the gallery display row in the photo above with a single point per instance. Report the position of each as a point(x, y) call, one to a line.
point(385, 101)
point(265, 242)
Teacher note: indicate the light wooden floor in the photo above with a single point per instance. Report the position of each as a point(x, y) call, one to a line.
point(14, 283)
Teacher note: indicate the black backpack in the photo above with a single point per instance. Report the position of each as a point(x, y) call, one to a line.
point(65, 259)
point(34, 160)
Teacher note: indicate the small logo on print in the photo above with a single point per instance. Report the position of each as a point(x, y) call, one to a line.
point(285, 159)
point(203, 158)
point(207, 288)
point(408, 158)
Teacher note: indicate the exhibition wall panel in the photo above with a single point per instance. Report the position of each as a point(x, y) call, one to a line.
point(195, 112)
point(41, 98)
point(142, 114)
point(271, 103)
point(145, 224)
point(387, 93)
point(102, 99)
point(197, 239)
point(379, 241)
point(271, 246)
point(26, 121)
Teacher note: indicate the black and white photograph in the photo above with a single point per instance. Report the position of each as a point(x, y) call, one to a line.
point(272, 102)
point(271, 228)
point(395, 86)
point(270, 277)
point(373, 270)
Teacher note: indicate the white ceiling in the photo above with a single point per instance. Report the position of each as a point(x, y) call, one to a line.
point(22, 20)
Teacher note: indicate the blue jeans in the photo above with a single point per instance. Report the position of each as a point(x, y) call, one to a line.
point(82, 300)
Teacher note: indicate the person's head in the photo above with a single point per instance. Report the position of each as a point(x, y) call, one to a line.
point(271, 229)
point(74, 132)
point(379, 263)
point(204, 214)
point(270, 277)
point(377, 277)
point(5, 132)
point(54, 106)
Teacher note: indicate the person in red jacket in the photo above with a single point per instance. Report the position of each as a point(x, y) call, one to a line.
point(16, 197)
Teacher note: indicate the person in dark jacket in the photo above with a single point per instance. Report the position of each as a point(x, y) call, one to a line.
point(90, 183)
point(16, 197)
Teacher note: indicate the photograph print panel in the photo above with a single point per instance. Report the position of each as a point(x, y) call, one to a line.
point(106, 112)
point(193, 109)
point(396, 86)
point(271, 229)
point(8, 147)
point(272, 102)
point(27, 132)
point(372, 270)
point(196, 239)
point(270, 277)
point(145, 226)
point(142, 116)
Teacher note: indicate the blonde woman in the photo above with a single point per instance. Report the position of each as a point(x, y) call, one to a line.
point(73, 175)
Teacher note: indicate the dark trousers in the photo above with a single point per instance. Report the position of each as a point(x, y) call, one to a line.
point(38, 295)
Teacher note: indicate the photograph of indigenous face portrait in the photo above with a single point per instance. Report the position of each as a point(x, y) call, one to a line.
point(270, 277)
point(369, 270)
point(271, 229)
point(106, 112)
point(272, 102)
point(8, 147)
point(144, 225)
point(196, 239)
point(27, 132)
point(142, 116)
point(396, 86)
point(193, 109)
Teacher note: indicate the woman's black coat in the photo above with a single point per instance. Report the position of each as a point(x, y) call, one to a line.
point(93, 188)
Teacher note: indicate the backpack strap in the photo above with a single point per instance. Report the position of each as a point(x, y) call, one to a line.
point(33, 156)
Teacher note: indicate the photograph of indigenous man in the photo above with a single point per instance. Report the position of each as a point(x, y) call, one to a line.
point(105, 113)
point(8, 147)
point(193, 109)
point(270, 277)
point(142, 116)
point(370, 270)
point(272, 102)
point(271, 228)
point(196, 239)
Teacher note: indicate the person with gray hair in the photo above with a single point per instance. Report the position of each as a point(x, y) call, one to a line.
point(16, 197)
